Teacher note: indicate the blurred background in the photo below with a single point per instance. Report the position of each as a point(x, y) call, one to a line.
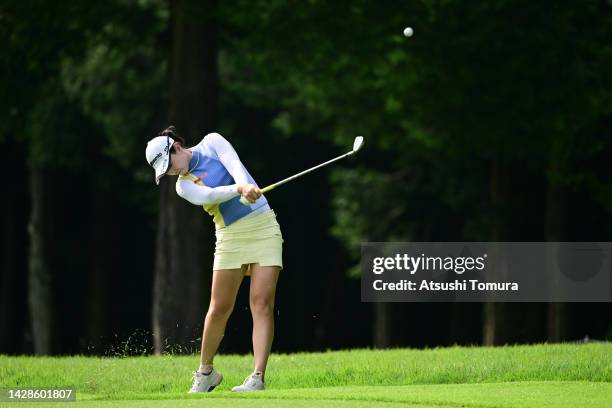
point(492, 123)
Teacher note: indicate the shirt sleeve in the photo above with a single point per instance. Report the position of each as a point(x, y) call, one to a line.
point(204, 195)
point(229, 158)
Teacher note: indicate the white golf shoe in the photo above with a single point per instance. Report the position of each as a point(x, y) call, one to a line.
point(253, 382)
point(205, 383)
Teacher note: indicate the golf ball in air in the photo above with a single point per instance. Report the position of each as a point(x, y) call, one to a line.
point(408, 32)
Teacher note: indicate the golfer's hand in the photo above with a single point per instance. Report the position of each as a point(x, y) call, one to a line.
point(249, 191)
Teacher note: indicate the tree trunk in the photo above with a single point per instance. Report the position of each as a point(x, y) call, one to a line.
point(555, 212)
point(13, 257)
point(495, 324)
point(40, 294)
point(383, 321)
point(185, 240)
point(495, 314)
point(8, 275)
point(103, 260)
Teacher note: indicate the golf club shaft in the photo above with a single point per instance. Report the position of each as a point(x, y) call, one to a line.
point(272, 186)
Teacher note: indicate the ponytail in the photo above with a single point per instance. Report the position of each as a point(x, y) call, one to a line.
point(171, 132)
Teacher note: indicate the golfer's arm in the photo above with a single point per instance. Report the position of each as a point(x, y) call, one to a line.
point(229, 158)
point(203, 195)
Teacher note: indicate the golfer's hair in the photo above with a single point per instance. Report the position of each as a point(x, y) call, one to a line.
point(171, 131)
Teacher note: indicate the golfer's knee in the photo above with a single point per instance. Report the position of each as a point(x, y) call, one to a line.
point(219, 310)
point(262, 305)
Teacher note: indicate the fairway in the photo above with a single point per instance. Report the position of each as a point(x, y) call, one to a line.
point(231, 402)
point(521, 394)
point(562, 375)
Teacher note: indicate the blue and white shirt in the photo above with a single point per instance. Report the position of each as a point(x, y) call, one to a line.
point(215, 171)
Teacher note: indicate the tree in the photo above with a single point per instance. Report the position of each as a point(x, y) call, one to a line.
point(183, 239)
point(63, 75)
point(27, 117)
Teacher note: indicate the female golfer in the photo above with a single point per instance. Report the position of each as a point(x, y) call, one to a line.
point(248, 242)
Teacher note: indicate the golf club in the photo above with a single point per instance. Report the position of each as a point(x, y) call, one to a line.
point(356, 146)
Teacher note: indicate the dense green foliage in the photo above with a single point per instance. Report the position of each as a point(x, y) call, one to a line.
point(505, 96)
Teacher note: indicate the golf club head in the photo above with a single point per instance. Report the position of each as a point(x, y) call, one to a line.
point(357, 143)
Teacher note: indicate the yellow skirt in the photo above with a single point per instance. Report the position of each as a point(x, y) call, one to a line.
point(254, 239)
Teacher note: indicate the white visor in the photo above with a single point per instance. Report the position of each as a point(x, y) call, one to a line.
point(158, 155)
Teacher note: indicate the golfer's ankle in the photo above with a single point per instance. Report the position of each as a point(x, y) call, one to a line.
point(205, 368)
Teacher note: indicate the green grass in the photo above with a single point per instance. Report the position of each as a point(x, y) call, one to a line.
point(560, 375)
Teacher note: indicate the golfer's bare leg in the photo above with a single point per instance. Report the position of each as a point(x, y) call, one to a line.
point(261, 297)
point(225, 285)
